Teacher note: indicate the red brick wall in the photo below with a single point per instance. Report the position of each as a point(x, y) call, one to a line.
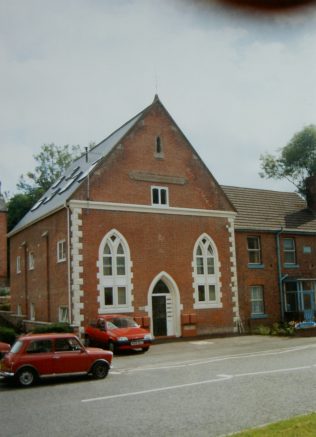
point(31, 286)
point(136, 153)
point(268, 275)
point(3, 249)
point(158, 243)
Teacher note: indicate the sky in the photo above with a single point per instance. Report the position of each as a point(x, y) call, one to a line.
point(238, 82)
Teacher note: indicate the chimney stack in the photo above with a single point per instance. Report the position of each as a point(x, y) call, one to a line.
point(310, 184)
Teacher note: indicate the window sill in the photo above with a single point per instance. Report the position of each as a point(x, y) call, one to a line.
point(291, 266)
point(259, 316)
point(208, 305)
point(116, 310)
point(255, 266)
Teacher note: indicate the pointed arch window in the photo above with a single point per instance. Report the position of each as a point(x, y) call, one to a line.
point(206, 274)
point(114, 267)
point(158, 147)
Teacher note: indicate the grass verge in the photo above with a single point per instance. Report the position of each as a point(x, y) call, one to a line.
point(301, 426)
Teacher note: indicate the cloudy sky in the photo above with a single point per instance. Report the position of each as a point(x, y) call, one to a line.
point(238, 83)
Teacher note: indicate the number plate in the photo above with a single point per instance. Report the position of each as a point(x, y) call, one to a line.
point(137, 342)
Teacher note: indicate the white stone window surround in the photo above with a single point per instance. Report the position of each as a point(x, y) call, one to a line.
point(113, 239)
point(159, 196)
point(206, 279)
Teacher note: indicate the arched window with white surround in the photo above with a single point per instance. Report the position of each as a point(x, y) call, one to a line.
point(114, 274)
point(206, 274)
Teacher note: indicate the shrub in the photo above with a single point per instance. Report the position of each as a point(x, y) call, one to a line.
point(7, 335)
point(5, 306)
point(54, 327)
point(261, 330)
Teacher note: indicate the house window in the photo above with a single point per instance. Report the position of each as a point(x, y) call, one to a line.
point(256, 298)
point(63, 314)
point(32, 311)
point(114, 266)
point(205, 271)
point(18, 264)
point(289, 251)
point(31, 261)
point(159, 196)
point(61, 251)
point(254, 250)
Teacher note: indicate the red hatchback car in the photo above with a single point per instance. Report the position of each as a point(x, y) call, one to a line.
point(4, 349)
point(117, 332)
point(36, 356)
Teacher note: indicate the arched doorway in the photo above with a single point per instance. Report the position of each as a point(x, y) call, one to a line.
point(160, 296)
point(164, 306)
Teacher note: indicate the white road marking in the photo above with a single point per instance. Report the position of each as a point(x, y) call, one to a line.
point(199, 362)
point(154, 390)
point(220, 378)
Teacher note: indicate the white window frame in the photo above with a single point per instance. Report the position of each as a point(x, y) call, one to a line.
point(115, 281)
point(32, 311)
point(160, 190)
point(257, 300)
point(18, 264)
point(206, 279)
point(63, 314)
point(291, 251)
point(31, 260)
point(19, 310)
point(256, 251)
point(61, 251)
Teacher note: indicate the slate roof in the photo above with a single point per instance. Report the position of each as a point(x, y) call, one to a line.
point(270, 210)
point(58, 194)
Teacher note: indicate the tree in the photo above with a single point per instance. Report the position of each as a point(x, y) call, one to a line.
point(52, 161)
point(296, 161)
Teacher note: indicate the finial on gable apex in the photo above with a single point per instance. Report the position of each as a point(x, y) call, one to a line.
point(156, 98)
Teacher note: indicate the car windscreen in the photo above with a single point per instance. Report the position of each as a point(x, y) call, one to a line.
point(124, 322)
point(16, 347)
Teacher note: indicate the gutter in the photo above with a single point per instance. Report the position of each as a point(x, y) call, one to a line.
point(280, 277)
point(69, 263)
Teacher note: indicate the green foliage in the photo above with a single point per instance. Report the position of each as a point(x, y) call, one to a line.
point(7, 335)
point(5, 306)
point(52, 161)
point(301, 426)
point(287, 329)
point(295, 162)
point(18, 206)
point(54, 327)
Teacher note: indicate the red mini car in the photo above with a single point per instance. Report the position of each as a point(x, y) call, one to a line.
point(4, 349)
point(117, 332)
point(36, 356)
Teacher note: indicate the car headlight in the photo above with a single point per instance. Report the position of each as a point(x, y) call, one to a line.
point(148, 337)
point(122, 339)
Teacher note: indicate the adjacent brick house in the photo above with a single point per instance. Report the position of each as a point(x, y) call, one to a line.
point(3, 242)
point(140, 226)
point(276, 254)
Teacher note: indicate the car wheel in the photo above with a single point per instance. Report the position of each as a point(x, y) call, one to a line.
point(145, 349)
point(100, 370)
point(26, 377)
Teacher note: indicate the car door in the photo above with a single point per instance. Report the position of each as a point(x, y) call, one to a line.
point(39, 354)
point(70, 357)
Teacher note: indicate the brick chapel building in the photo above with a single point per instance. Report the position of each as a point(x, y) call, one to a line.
point(138, 225)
